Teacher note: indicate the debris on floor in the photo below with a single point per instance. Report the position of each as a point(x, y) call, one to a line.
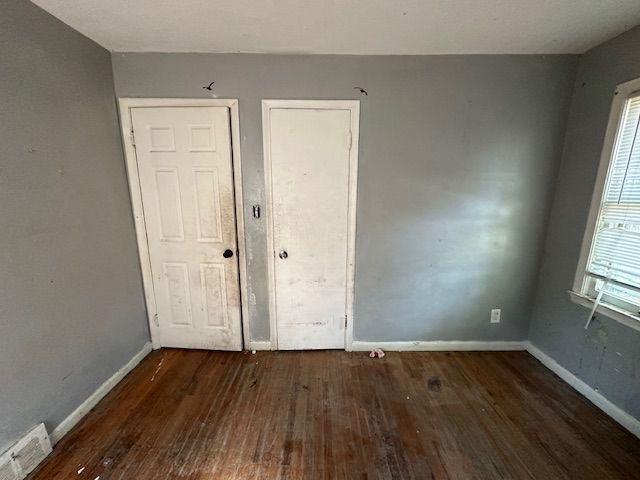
point(376, 353)
point(157, 369)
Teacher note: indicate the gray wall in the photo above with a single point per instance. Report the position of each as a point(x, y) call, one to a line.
point(607, 356)
point(71, 304)
point(457, 160)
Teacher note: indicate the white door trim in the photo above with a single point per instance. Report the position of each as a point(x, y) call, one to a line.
point(125, 106)
point(354, 107)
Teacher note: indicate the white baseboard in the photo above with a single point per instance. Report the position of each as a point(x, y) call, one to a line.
point(439, 346)
point(72, 420)
point(259, 345)
point(623, 418)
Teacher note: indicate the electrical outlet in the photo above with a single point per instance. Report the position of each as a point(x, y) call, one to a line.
point(495, 315)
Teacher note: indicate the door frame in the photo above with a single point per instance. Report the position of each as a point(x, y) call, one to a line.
point(125, 105)
point(354, 107)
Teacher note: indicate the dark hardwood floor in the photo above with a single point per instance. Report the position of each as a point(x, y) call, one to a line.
point(337, 415)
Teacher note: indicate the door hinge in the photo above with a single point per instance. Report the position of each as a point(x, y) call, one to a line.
point(132, 138)
point(345, 321)
point(155, 320)
point(349, 139)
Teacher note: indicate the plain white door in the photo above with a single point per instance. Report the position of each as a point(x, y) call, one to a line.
point(310, 164)
point(185, 170)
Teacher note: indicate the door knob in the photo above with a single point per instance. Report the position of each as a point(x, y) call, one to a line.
point(283, 254)
point(227, 253)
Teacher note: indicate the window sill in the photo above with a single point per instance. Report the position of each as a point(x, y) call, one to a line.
point(607, 310)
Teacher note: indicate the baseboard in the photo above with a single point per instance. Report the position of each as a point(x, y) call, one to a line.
point(623, 418)
point(259, 345)
point(72, 420)
point(439, 346)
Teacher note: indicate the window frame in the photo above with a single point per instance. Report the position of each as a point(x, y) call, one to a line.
point(581, 285)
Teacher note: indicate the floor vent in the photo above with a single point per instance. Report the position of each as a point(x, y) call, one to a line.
point(7, 472)
point(21, 459)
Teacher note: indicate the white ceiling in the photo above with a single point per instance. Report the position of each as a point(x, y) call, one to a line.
point(348, 26)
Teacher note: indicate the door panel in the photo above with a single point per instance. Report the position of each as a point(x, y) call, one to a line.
point(186, 180)
point(310, 152)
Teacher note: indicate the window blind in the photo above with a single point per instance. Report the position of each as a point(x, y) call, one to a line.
point(615, 252)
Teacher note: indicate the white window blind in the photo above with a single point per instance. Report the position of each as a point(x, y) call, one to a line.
point(614, 261)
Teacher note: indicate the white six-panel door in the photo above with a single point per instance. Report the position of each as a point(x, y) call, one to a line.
point(309, 168)
point(185, 174)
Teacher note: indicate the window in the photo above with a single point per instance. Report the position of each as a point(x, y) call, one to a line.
point(608, 276)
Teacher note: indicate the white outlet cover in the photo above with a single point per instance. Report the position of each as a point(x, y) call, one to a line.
point(495, 315)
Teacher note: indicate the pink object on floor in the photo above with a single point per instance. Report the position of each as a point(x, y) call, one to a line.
point(376, 353)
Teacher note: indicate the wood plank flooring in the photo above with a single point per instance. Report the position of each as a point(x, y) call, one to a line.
point(336, 415)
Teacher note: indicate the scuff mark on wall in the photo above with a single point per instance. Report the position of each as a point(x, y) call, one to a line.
point(598, 337)
point(603, 336)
